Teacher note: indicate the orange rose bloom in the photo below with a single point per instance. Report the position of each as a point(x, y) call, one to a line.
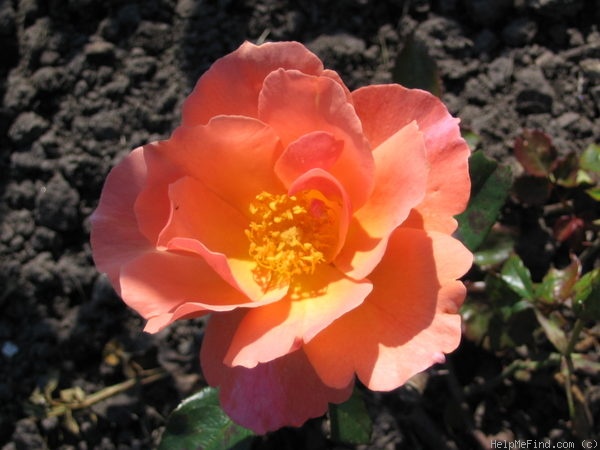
point(313, 223)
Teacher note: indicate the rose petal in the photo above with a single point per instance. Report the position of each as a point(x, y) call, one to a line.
point(279, 328)
point(115, 235)
point(283, 392)
point(232, 84)
point(409, 318)
point(232, 156)
point(384, 110)
point(323, 182)
point(295, 104)
point(238, 273)
point(152, 207)
point(198, 213)
point(401, 170)
point(158, 282)
point(313, 150)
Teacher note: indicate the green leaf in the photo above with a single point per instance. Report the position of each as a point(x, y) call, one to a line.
point(535, 152)
point(495, 249)
point(200, 423)
point(590, 158)
point(490, 184)
point(586, 298)
point(500, 295)
point(594, 193)
point(414, 67)
point(557, 284)
point(553, 331)
point(518, 277)
point(566, 171)
point(350, 421)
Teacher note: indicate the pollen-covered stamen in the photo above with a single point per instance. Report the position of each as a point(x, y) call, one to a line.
point(291, 235)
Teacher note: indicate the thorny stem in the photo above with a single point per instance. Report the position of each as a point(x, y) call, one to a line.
point(147, 377)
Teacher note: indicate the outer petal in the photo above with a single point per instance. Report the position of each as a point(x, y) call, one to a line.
point(232, 84)
point(158, 283)
point(408, 321)
point(115, 235)
point(271, 331)
point(296, 104)
point(384, 110)
point(152, 207)
point(401, 171)
point(283, 392)
point(232, 156)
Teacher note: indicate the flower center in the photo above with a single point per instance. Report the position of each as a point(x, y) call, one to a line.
point(290, 235)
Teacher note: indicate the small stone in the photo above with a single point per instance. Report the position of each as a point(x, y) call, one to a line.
point(140, 67)
point(56, 205)
point(48, 79)
point(35, 40)
point(153, 37)
point(567, 119)
point(500, 71)
point(27, 127)
point(100, 52)
point(29, 10)
point(534, 95)
point(19, 93)
point(187, 9)
point(591, 69)
point(476, 92)
point(339, 44)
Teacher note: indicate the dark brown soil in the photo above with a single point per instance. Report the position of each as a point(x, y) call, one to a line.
point(83, 82)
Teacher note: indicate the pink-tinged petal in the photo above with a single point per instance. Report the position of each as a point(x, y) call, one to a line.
point(313, 150)
point(232, 84)
point(283, 392)
point(326, 184)
point(274, 330)
point(238, 273)
point(198, 213)
point(384, 110)
point(115, 235)
point(336, 77)
point(401, 170)
point(408, 320)
point(232, 156)
point(295, 104)
point(152, 207)
point(157, 283)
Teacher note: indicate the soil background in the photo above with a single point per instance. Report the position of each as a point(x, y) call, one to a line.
point(83, 82)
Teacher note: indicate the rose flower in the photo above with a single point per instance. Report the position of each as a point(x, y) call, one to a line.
point(313, 223)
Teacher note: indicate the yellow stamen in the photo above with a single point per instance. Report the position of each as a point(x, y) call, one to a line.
point(290, 235)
